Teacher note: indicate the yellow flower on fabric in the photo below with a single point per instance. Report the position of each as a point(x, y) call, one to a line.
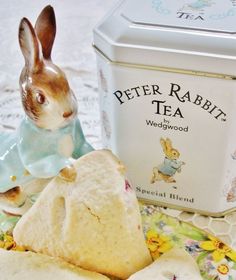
point(7, 242)
point(220, 250)
point(18, 248)
point(223, 269)
point(157, 244)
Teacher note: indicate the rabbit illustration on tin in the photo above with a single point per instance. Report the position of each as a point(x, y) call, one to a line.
point(233, 155)
point(51, 133)
point(231, 196)
point(170, 166)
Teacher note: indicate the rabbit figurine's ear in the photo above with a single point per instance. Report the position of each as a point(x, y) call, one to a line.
point(46, 30)
point(29, 45)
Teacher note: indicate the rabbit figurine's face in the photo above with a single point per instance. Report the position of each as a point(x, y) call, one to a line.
point(46, 96)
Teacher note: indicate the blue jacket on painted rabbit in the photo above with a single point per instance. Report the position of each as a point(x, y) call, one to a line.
point(170, 166)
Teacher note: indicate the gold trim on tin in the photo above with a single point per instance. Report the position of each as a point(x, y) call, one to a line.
point(26, 172)
point(186, 209)
point(167, 69)
point(13, 178)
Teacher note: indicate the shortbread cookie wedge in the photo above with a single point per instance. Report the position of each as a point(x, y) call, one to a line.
point(94, 222)
point(31, 266)
point(176, 264)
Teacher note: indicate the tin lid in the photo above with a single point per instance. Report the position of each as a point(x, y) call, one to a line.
point(201, 15)
point(195, 35)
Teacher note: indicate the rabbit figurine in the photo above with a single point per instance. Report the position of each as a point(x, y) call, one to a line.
point(51, 133)
point(170, 166)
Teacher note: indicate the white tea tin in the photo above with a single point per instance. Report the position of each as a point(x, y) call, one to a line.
point(167, 72)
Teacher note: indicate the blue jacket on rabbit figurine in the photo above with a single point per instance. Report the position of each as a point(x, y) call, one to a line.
point(51, 133)
point(39, 153)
